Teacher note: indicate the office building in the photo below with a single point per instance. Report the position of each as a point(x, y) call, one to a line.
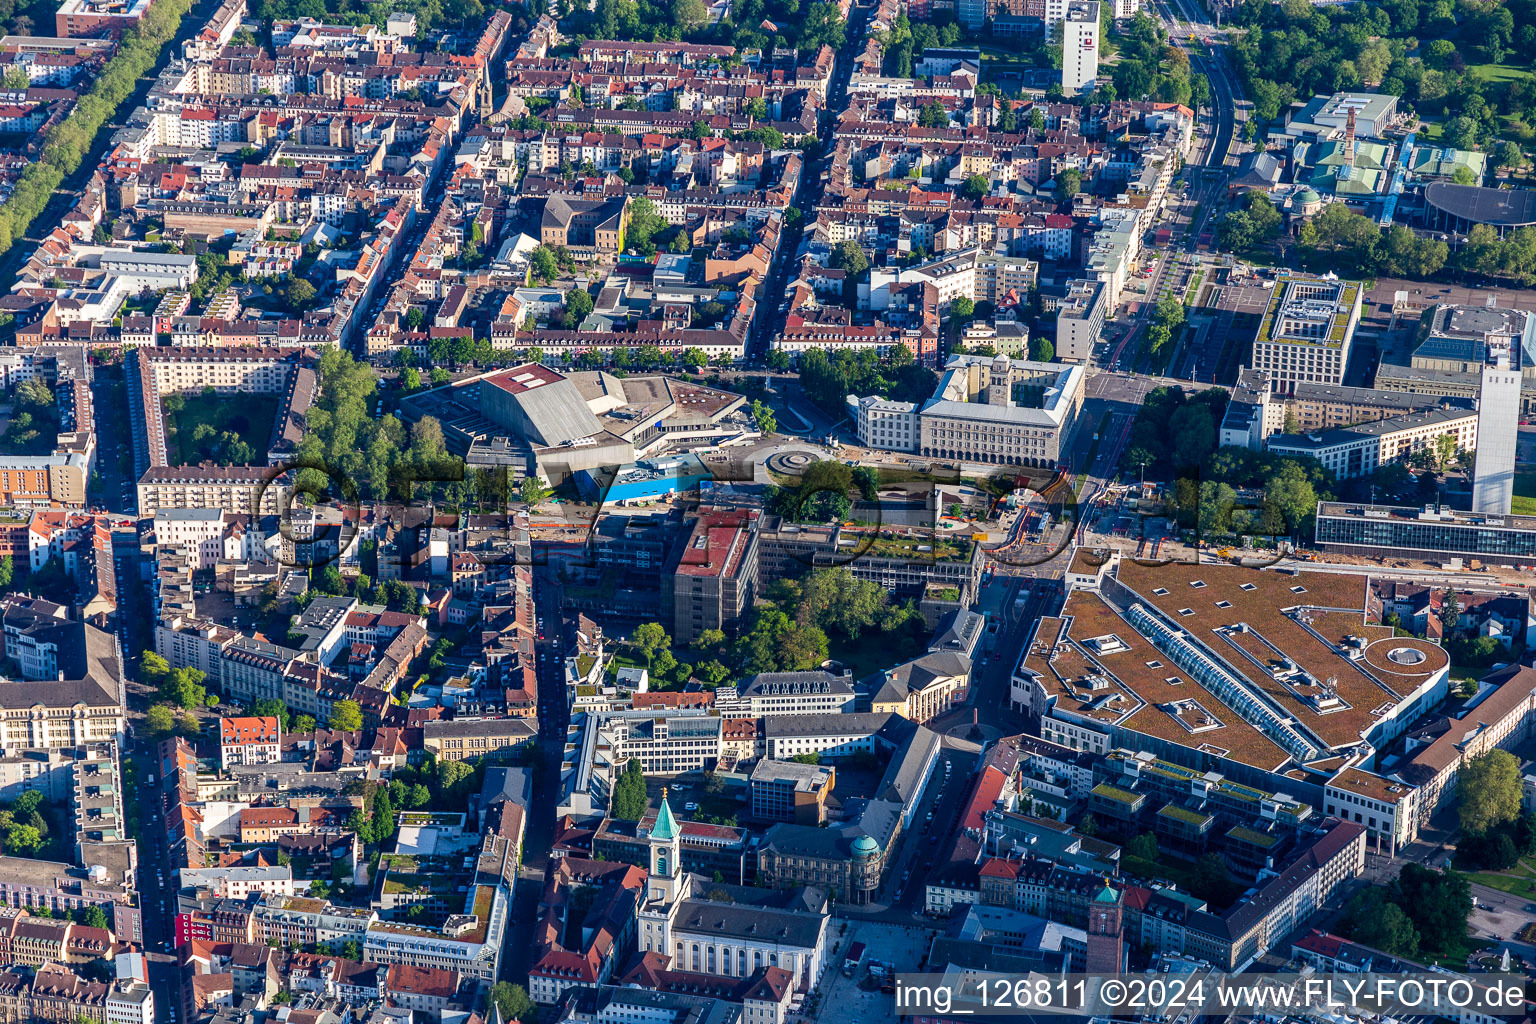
point(1080, 320)
point(791, 791)
point(1306, 332)
point(1080, 47)
point(711, 577)
point(1455, 343)
point(1384, 531)
point(1351, 452)
point(1498, 418)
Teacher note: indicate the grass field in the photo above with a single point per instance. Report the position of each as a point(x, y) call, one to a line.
point(1524, 503)
point(247, 416)
point(1500, 72)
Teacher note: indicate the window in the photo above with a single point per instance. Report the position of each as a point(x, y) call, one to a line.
point(1186, 611)
point(1197, 584)
point(1298, 590)
point(1223, 604)
point(1161, 591)
point(1249, 586)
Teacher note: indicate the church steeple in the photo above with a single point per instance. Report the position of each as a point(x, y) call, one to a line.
point(665, 842)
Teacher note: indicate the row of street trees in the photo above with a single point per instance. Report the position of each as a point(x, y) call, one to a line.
point(67, 143)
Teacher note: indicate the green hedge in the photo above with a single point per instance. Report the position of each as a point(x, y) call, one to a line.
point(67, 142)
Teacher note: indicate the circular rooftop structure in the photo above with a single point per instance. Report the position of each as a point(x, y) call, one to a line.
point(1406, 656)
point(1308, 196)
point(864, 846)
point(1498, 207)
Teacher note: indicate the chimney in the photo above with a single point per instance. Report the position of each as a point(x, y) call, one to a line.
point(1349, 139)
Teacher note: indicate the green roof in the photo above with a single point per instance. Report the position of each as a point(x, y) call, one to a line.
point(1184, 814)
point(1109, 792)
point(1107, 895)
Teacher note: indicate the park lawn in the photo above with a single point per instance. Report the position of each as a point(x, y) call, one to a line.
point(1500, 72)
point(1502, 881)
point(249, 416)
point(1524, 503)
point(1429, 130)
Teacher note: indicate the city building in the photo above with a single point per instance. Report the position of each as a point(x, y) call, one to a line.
point(1306, 332)
point(728, 931)
point(1275, 681)
point(711, 577)
point(790, 791)
point(250, 740)
point(1430, 533)
point(1352, 452)
point(1080, 319)
point(1256, 410)
point(786, 693)
point(1498, 417)
point(1080, 47)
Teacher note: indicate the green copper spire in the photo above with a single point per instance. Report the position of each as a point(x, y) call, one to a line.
point(666, 825)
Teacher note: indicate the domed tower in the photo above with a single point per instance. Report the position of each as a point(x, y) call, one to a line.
point(1106, 942)
point(864, 876)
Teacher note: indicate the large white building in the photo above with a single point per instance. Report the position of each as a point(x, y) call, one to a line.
point(1498, 416)
point(731, 932)
point(1350, 452)
point(988, 409)
point(1080, 47)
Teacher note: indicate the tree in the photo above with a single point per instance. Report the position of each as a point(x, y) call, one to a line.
point(629, 800)
point(153, 667)
point(304, 723)
point(1143, 847)
point(1068, 183)
point(383, 816)
point(95, 917)
point(763, 418)
point(1450, 612)
point(933, 115)
point(271, 707)
point(848, 256)
point(300, 293)
point(650, 637)
point(644, 222)
point(1460, 133)
point(1508, 155)
point(1437, 902)
point(532, 491)
point(184, 688)
point(160, 721)
point(513, 1002)
point(1371, 918)
point(578, 303)
point(346, 716)
point(16, 77)
point(695, 358)
point(1041, 349)
point(23, 840)
point(1488, 791)
point(962, 308)
point(975, 187)
point(542, 265)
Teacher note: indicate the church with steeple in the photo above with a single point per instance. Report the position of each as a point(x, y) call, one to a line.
point(726, 930)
